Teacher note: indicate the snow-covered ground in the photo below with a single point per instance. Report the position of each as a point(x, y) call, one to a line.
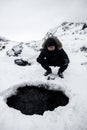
point(70, 117)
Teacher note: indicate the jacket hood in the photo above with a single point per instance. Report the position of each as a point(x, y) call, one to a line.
point(53, 40)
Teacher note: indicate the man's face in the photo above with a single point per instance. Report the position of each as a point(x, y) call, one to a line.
point(51, 48)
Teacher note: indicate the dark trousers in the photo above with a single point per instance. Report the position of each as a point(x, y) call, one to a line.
point(46, 65)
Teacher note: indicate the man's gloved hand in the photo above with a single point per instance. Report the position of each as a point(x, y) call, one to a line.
point(66, 61)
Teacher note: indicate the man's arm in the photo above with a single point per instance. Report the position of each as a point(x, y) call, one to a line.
point(65, 57)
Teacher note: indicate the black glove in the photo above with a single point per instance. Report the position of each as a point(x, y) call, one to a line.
point(66, 61)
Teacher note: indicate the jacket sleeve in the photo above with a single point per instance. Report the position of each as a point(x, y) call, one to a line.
point(64, 57)
point(41, 56)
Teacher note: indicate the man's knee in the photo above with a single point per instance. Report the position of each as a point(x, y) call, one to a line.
point(42, 62)
point(38, 60)
point(64, 66)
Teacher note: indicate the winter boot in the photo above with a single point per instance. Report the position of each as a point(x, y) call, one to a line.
point(60, 74)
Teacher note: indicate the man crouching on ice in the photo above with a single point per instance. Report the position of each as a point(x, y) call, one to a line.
point(52, 54)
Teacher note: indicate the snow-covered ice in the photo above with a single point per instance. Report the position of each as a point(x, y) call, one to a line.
point(70, 117)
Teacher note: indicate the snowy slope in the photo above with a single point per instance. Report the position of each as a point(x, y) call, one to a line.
point(70, 117)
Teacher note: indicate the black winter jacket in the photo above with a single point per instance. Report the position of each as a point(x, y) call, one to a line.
point(53, 58)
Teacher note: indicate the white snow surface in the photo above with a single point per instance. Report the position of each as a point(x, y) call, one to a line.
point(74, 85)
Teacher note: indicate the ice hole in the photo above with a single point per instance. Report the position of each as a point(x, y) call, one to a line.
point(36, 100)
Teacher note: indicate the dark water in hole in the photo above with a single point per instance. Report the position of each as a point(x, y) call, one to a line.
point(33, 100)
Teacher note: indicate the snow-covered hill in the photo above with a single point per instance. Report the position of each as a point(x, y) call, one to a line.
point(70, 28)
point(70, 117)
